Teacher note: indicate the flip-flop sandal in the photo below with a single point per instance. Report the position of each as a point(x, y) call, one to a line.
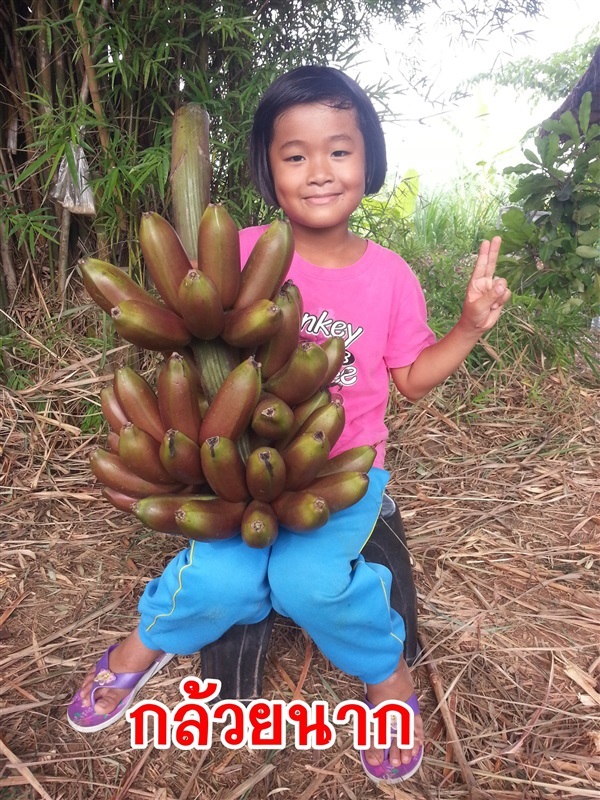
point(385, 772)
point(85, 719)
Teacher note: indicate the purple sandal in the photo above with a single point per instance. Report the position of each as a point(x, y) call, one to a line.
point(386, 772)
point(85, 719)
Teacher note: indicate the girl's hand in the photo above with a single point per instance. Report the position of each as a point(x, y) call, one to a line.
point(486, 295)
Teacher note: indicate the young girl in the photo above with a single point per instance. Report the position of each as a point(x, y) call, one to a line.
point(316, 149)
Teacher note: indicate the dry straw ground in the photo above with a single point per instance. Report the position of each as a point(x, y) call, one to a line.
point(500, 493)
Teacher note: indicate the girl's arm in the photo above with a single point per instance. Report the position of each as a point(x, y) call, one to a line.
point(482, 307)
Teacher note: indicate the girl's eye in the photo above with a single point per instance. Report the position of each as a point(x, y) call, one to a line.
point(295, 159)
point(339, 153)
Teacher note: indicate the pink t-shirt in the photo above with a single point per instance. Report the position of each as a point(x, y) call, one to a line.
point(377, 305)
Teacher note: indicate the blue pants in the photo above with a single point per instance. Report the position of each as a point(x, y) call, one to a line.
point(319, 579)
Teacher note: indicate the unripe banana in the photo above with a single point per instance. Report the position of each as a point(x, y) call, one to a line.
point(356, 459)
point(265, 474)
point(108, 285)
point(180, 456)
point(208, 520)
point(219, 252)
point(272, 417)
point(301, 376)
point(329, 418)
point(138, 401)
point(157, 512)
point(304, 458)
point(301, 511)
point(111, 471)
point(224, 469)
point(259, 526)
point(113, 413)
point(335, 350)
point(341, 490)
point(124, 502)
point(267, 265)
point(276, 351)
point(140, 453)
point(233, 405)
point(178, 398)
point(200, 305)
point(164, 255)
point(151, 327)
point(252, 325)
point(302, 412)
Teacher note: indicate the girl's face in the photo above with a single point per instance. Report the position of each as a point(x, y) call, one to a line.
point(317, 160)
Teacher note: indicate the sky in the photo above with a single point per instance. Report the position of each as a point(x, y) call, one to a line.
point(486, 127)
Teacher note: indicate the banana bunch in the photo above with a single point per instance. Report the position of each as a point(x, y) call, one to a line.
point(237, 434)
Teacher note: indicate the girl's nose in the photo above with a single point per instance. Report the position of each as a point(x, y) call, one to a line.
point(320, 171)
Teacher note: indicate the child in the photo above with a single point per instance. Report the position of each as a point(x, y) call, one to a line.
point(316, 149)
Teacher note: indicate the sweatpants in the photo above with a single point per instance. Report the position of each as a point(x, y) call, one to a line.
point(317, 578)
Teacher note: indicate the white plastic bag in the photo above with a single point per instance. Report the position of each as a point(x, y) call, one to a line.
point(73, 191)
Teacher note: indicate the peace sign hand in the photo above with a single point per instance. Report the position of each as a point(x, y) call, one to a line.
point(486, 295)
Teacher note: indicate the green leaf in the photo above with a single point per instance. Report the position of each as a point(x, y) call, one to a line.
point(587, 252)
point(587, 214)
point(531, 156)
point(589, 237)
point(584, 112)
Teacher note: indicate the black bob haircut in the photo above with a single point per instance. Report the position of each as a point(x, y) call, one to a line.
point(315, 84)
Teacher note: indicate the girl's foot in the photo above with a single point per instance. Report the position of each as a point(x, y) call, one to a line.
point(398, 686)
point(130, 655)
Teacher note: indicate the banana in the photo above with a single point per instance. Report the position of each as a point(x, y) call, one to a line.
point(178, 397)
point(150, 327)
point(302, 412)
point(329, 418)
point(301, 511)
point(267, 265)
point(356, 459)
point(180, 456)
point(219, 252)
point(138, 401)
point(272, 417)
point(304, 458)
point(113, 413)
point(124, 502)
point(259, 526)
point(224, 469)
point(157, 512)
point(108, 285)
point(301, 376)
point(252, 325)
point(164, 256)
point(139, 452)
point(341, 490)
point(208, 520)
point(111, 471)
point(200, 305)
point(335, 350)
point(233, 405)
point(265, 474)
point(112, 441)
point(274, 353)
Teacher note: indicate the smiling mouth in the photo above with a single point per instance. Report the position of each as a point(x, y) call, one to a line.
point(321, 199)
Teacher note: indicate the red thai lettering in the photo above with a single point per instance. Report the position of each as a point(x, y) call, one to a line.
point(267, 724)
point(138, 717)
point(313, 728)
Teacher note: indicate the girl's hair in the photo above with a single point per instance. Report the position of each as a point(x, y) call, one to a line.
point(314, 84)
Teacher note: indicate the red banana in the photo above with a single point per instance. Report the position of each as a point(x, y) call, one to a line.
point(219, 252)
point(329, 418)
point(124, 502)
point(150, 327)
point(301, 511)
point(341, 490)
point(108, 285)
point(110, 470)
point(232, 406)
point(178, 397)
point(157, 512)
point(274, 353)
point(139, 452)
point(301, 376)
point(356, 459)
point(265, 474)
point(304, 458)
point(335, 350)
point(223, 468)
point(252, 325)
point(272, 417)
point(267, 265)
point(164, 255)
point(200, 305)
point(208, 520)
point(302, 412)
point(113, 413)
point(259, 526)
point(138, 401)
point(180, 456)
